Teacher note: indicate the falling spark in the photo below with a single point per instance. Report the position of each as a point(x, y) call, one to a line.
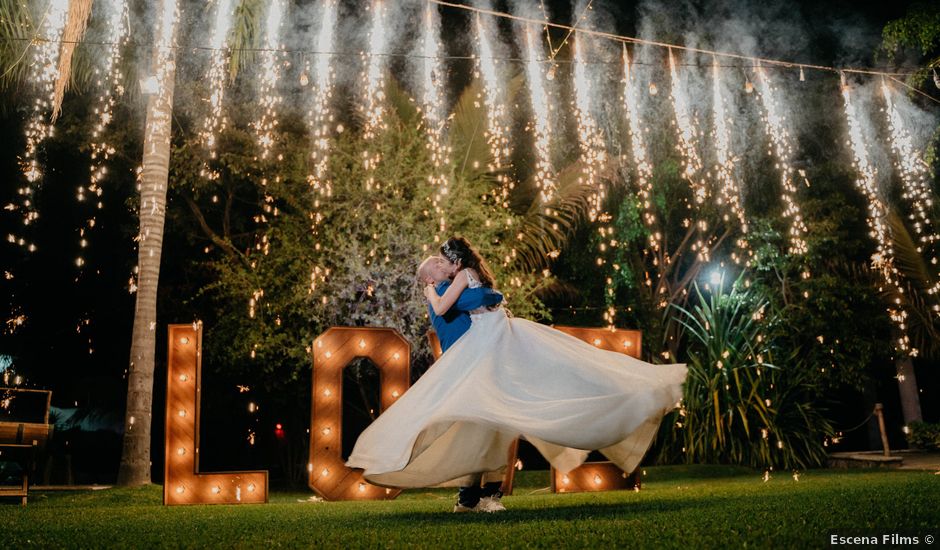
point(44, 70)
point(687, 134)
point(883, 258)
point(497, 128)
point(540, 125)
point(319, 117)
point(915, 178)
point(321, 120)
point(782, 150)
point(271, 61)
point(215, 122)
point(730, 192)
point(640, 156)
point(373, 82)
point(111, 87)
point(591, 144)
point(432, 105)
point(592, 158)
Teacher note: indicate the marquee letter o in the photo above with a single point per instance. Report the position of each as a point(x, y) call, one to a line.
point(327, 473)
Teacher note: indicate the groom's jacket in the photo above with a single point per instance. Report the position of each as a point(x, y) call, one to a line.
point(456, 321)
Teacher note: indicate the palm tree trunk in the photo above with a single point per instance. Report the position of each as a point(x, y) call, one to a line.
point(907, 385)
point(135, 457)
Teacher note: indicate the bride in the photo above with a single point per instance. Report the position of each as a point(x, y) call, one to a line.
point(508, 378)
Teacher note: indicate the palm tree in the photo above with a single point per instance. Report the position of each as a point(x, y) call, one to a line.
point(922, 327)
point(135, 456)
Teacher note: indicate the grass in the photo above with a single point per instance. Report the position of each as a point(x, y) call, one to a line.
point(679, 506)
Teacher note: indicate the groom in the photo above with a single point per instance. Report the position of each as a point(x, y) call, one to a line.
point(456, 321)
point(449, 328)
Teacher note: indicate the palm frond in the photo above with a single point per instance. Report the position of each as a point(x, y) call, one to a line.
point(922, 322)
point(546, 227)
point(245, 35)
point(16, 29)
point(910, 262)
point(468, 128)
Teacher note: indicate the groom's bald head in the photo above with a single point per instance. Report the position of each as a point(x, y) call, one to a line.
point(433, 270)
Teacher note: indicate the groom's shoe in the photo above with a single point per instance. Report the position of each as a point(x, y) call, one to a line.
point(460, 508)
point(490, 504)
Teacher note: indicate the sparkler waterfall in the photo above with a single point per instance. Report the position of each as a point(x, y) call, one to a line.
point(589, 137)
point(433, 107)
point(215, 122)
point(728, 186)
point(883, 258)
point(688, 136)
point(43, 72)
point(782, 149)
point(644, 168)
point(915, 179)
point(593, 158)
point(109, 80)
point(497, 117)
point(320, 119)
point(271, 62)
point(373, 84)
point(538, 98)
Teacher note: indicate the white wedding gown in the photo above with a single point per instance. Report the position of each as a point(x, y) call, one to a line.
point(506, 378)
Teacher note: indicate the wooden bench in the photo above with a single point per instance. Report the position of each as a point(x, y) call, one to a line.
point(23, 436)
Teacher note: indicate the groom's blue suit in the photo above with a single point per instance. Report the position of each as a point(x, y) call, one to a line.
point(456, 321)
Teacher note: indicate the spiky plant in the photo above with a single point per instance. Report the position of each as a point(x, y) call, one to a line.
point(744, 401)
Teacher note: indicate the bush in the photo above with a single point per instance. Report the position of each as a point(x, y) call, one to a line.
point(741, 403)
point(924, 435)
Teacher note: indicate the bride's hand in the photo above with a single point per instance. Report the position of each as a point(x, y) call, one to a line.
point(429, 292)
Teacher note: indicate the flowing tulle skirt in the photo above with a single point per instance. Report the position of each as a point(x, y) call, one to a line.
point(507, 378)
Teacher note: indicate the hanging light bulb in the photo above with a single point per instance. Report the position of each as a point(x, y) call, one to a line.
point(653, 89)
point(802, 76)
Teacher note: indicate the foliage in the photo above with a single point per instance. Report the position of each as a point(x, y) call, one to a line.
point(745, 401)
point(924, 435)
point(919, 30)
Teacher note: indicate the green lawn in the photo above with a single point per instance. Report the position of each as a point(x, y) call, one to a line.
point(687, 507)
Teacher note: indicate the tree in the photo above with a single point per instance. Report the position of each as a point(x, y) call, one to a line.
point(916, 35)
point(135, 457)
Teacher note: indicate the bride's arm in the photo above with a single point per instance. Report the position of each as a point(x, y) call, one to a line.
point(441, 304)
